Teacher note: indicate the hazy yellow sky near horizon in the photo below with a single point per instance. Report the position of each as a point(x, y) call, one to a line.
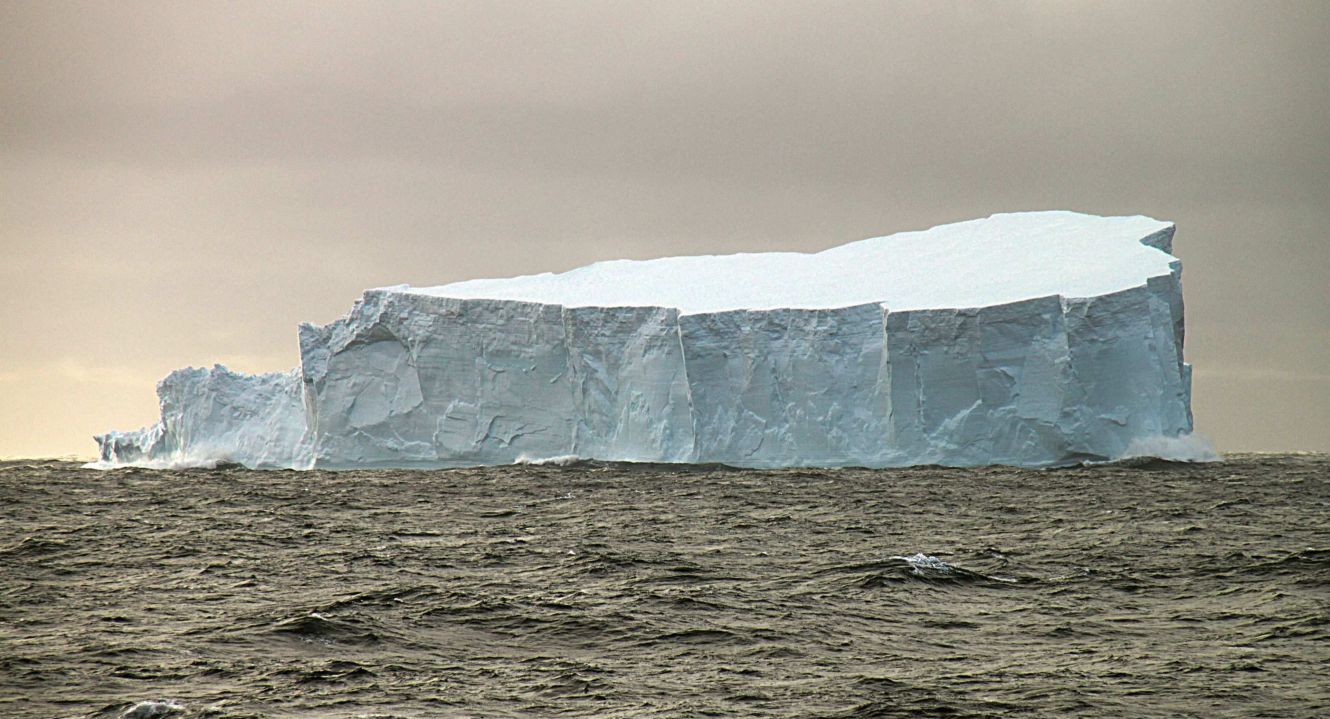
point(183, 183)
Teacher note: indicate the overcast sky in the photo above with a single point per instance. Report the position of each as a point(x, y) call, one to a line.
point(183, 183)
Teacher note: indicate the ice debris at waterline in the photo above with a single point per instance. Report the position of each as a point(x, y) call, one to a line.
point(1032, 339)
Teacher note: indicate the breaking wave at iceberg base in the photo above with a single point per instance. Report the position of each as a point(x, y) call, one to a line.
point(1186, 448)
point(1183, 448)
point(176, 462)
point(563, 460)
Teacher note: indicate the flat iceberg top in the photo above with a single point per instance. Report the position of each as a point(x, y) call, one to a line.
point(979, 263)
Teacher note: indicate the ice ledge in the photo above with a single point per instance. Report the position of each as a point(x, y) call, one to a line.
point(213, 416)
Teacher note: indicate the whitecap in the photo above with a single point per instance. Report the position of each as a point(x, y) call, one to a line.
point(926, 565)
point(152, 710)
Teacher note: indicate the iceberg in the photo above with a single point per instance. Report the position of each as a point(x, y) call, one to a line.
point(1031, 339)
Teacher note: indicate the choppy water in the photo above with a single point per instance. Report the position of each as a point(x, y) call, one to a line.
point(609, 591)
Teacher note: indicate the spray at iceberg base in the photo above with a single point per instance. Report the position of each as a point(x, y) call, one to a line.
point(1029, 339)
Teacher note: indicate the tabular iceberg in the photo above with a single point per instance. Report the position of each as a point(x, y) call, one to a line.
point(1031, 339)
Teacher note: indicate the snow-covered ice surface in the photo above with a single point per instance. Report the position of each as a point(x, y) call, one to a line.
point(1032, 339)
point(1004, 258)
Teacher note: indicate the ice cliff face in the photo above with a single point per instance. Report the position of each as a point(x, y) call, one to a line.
point(1029, 339)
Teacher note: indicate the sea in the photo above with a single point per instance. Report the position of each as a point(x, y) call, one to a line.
point(1140, 589)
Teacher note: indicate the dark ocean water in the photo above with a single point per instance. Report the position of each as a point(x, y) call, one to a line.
point(1157, 590)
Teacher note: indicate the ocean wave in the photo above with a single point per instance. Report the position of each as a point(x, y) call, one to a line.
point(667, 592)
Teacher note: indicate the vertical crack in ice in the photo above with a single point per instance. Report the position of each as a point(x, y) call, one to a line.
point(693, 455)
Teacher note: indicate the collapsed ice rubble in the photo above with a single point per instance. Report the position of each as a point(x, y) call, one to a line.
point(1030, 339)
